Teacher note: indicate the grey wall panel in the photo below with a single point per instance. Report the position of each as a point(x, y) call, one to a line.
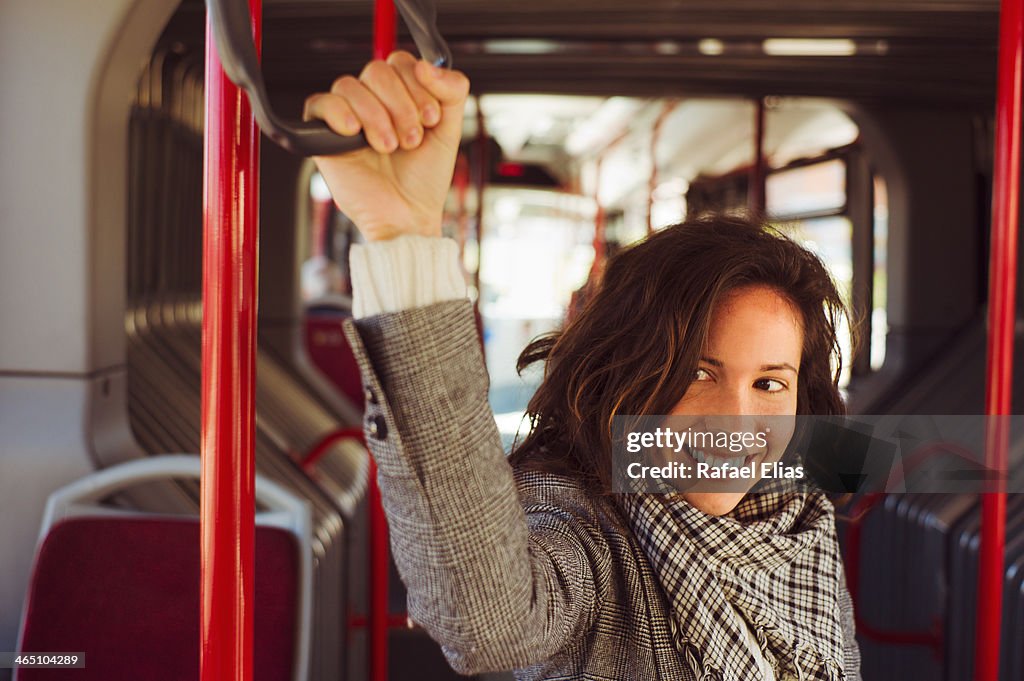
point(63, 122)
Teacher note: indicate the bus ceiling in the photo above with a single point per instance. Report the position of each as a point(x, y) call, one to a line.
point(937, 52)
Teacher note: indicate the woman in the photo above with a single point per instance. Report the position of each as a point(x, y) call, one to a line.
point(535, 565)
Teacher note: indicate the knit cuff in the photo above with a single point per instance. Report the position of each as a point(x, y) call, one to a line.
point(406, 272)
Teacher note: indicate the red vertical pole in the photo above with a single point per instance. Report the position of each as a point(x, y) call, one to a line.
point(384, 32)
point(322, 214)
point(652, 180)
point(384, 28)
point(600, 217)
point(480, 177)
point(230, 228)
point(379, 568)
point(1001, 317)
point(483, 171)
point(599, 222)
point(460, 182)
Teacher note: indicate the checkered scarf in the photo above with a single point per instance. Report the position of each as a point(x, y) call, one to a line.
point(769, 568)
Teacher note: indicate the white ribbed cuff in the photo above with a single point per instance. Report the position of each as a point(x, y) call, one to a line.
point(405, 272)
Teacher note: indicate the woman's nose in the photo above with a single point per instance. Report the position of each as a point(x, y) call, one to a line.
point(734, 402)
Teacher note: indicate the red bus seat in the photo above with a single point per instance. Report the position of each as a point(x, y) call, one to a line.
point(123, 589)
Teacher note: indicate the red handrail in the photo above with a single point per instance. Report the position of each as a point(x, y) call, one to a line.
point(325, 443)
point(1001, 320)
point(227, 512)
point(933, 638)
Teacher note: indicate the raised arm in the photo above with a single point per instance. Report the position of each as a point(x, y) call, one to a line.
point(499, 587)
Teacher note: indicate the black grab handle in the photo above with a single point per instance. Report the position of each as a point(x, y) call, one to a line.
point(232, 34)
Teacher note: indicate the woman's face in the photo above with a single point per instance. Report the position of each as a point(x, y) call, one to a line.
point(748, 368)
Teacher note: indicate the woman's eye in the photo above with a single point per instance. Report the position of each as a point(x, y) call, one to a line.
point(770, 385)
point(701, 375)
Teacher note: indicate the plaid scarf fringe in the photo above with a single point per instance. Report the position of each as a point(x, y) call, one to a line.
point(817, 668)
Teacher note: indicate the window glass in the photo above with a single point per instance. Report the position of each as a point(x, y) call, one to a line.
point(807, 190)
point(879, 318)
point(831, 239)
point(537, 250)
point(324, 270)
point(807, 203)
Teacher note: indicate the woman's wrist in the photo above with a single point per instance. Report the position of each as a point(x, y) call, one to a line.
point(389, 232)
point(422, 223)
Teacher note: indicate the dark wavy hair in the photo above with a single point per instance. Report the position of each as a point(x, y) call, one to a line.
point(634, 347)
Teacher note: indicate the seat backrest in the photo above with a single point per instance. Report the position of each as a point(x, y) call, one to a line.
point(125, 592)
point(330, 352)
point(123, 588)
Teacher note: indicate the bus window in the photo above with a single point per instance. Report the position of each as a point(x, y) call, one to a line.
point(537, 249)
point(808, 202)
point(879, 317)
point(328, 237)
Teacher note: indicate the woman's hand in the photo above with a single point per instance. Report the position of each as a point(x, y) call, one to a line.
point(411, 113)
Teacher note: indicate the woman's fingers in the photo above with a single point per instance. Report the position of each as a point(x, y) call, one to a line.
point(373, 116)
point(393, 102)
point(334, 111)
point(384, 81)
point(450, 88)
point(428, 106)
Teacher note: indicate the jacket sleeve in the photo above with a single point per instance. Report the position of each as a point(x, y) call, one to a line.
point(851, 650)
point(496, 589)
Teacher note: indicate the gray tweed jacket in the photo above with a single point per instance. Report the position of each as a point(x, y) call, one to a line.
point(505, 569)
